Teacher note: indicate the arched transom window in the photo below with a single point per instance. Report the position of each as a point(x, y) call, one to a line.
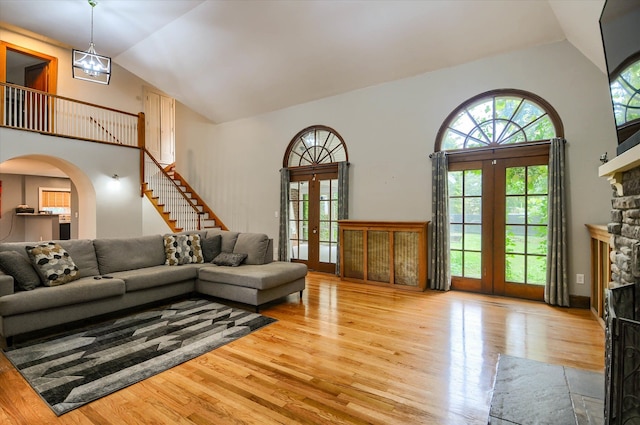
point(625, 92)
point(314, 146)
point(499, 118)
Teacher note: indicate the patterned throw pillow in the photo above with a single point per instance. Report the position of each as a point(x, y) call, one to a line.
point(229, 259)
point(182, 249)
point(53, 263)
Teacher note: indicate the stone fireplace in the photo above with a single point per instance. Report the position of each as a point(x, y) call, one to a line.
point(622, 311)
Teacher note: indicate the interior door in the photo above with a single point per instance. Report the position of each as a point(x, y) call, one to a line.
point(36, 108)
point(159, 127)
point(313, 220)
point(498, 225)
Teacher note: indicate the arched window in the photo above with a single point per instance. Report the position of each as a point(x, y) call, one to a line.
point(314, 197)
point(314, 146)
point(625, 92)
point(497, 150)
point(499, 118)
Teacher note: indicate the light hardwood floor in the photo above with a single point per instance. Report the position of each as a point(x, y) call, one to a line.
point(344, 354)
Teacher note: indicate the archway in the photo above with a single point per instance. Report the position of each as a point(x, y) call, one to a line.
point(83, 192)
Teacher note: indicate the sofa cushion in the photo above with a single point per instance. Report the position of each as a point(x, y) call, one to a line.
point(76, 292)
point(211, 247)
point(254, 245)
point(118, 254)
point(81, 250)
point(150, 277)
point(53, 263)
point(228, 238)
point(182, 249)
point(24, 275)
point(263, 276)
point(229, 259)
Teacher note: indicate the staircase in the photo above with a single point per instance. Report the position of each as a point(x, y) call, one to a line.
point(178, 204)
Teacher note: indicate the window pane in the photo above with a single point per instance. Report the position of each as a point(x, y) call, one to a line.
point(452, 141)
point(506, 106)
point(527, 113)
point(455, 236)
point(473, 183)
point(456, 263)
point(537, 209)
point(542, 129)
point(455, 210)
point(514, 239)
point(325, 252)
point(514, 265)
point(536, 270)
point(473, 237)
point(515, 180)
point(537, 240)
point(515, 209)
point(472, 264)
point(482, 112)
point(334, 231)
point(472, 210)
point(537, 177)
point(455, 183)
point(324, 231)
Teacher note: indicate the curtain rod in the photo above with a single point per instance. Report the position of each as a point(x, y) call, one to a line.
point(467, 151)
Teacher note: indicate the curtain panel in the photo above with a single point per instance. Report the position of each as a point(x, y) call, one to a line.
point(440, 256)
point(556, 291)
point(343, 200)
point(283, 233)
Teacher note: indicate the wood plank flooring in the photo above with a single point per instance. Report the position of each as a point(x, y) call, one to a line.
point(345, 354)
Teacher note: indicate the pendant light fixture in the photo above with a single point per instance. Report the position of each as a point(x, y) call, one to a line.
point(89, 65)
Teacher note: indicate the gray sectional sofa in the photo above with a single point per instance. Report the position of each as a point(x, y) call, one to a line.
point(120, 273)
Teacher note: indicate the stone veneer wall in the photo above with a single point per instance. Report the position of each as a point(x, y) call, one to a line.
point(625, 231)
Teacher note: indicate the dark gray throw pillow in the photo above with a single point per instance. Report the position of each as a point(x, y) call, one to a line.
point(17, 266)
point(211, 247)
point(229, 259)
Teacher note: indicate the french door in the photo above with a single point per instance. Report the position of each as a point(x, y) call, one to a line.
point(313, 218)
point(498, 223)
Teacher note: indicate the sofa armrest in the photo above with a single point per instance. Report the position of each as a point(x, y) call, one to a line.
point(6, 284)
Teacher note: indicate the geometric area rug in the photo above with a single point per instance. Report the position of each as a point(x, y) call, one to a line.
point(71, 369)
point(531, 392)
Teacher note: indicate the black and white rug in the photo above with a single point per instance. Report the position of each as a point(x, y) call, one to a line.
point(80, 366)
point(531, 392)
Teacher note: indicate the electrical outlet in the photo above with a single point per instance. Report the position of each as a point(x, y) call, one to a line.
point(580, 279)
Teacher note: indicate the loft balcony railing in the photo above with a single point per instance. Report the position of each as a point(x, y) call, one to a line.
point(33, 110)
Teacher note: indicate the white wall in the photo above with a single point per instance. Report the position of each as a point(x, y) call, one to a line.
point(390, 130)
point(105, 208)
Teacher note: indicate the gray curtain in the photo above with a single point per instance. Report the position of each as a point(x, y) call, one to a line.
point(556, 290)
point(440, 258)
point(283, 234)
point(343, 199)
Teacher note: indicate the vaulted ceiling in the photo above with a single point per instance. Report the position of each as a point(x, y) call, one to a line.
point(234, 59)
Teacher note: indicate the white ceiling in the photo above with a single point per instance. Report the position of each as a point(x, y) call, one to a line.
point(235, 59)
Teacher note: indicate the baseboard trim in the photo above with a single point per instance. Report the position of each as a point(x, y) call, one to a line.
point(579, 301)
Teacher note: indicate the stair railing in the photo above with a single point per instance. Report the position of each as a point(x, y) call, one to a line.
point(175, 202)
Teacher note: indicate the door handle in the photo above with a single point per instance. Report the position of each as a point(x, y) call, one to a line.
point(315, 230)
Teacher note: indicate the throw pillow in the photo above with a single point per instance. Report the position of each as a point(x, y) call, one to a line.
point(182, 249)
point(53, 263)
point(211, 247)
point(229, 259)
point(254, 245)
point(25, 277)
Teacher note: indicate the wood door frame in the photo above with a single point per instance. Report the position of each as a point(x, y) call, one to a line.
point(492, 240)
point(313, 175)
point(53, 63)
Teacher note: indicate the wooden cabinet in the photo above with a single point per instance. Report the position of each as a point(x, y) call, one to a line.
point(600, 268)
point(384, 253)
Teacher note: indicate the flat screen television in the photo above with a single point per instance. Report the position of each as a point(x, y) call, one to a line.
point(620, 29)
